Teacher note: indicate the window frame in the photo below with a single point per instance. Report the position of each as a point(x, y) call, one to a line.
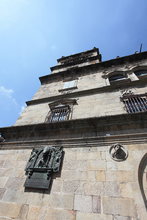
point(123, 77)
point(140, 75)
point(63, 113)
point(69, 85)
point(59, 106)
point(135, 103)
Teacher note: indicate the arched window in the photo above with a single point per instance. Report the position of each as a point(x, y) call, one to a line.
point(141, 73)
point(117, 77)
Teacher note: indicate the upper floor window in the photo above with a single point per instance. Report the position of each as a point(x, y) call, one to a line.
point(117, 77)
point(70, 85)
point(60, 110)
point(135, 103)
point(59, 114)
point(141, 73)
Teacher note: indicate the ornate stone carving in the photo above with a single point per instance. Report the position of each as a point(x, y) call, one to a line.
point(118, 152)
point(127, 92)
point(43, 162)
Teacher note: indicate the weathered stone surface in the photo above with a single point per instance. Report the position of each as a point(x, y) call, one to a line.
point(92, 216)
point(56, 186)
point(64, 201)
point(93, 188)
point(120, 176)
point(3, 181)
point(70, 186)
point(78, 189)
point(70, 156)
point(2, 191)
point(23, 212)
point(126, 190)
point(96, 165)
point(7, 172)
point(15, 183)
point(10, 195)
point(123, 218)
point(89, 156)
point(100, 175)
point(92, 176)
point(59, 214)
point(119, 206)
point(96, 204)
point(10, 210)
point(1, 163)
point(33, 212)
point(83, 203)
point(79, 165)
point(74, 175)
point(111, 189)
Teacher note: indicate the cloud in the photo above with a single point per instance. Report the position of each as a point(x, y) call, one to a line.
point(8, 93)
point(22, 109)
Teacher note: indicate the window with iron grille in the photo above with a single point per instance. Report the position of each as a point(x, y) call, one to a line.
point(59, 114)
point(141, 73)
point(135, 103)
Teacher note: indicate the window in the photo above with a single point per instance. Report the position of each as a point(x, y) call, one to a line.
point(141, 73)
point(116, 77)
point(70, 84)
point(60, 110)
point(59, 114)
point(135, 103)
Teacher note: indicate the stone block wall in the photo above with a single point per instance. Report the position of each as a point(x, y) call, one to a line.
point(91, 186)
point(92, 105)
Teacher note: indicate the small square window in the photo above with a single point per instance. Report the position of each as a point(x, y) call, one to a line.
point(69, 85)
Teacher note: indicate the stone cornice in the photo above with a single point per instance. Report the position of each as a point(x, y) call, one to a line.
point(74, 94)
point(127, 125)
point(92, 67)
point(79, 54)
point(124, 139)
point(86, 59)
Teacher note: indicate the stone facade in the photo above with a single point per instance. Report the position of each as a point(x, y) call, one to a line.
point(91, 185)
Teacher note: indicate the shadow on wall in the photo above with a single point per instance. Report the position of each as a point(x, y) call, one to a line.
point(142, 178)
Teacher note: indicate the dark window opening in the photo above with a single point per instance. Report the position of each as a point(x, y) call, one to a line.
point(135, 103)
point(59, 114)
point(141, 73)
point(116, 77)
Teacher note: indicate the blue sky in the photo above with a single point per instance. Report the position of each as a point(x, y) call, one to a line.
point(34, 33)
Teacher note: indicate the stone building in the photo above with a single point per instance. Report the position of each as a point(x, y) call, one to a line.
point(97, 111)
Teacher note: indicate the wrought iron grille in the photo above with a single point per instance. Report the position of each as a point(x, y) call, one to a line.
point(135, 103)
point(59, 114)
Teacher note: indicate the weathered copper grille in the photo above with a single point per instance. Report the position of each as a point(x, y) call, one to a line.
point(59, 114)
point(135, 103)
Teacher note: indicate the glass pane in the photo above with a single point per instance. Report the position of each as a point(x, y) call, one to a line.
point(117, 77)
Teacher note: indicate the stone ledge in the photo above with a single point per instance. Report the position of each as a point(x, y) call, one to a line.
point(108, 63)
point(102, 128)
